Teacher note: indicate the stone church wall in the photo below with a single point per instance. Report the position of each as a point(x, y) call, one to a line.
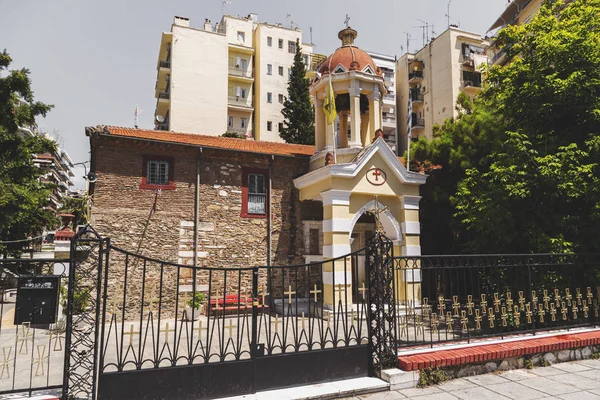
point(226, 240)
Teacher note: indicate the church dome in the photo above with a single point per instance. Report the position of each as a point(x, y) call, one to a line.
point(349, 57)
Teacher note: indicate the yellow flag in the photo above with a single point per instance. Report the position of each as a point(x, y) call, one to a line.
point(329, 104)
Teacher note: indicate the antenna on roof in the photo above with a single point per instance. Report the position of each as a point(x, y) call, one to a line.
point(288, 17)
point(223, 4)
point(136, 117)
point(448, 13)
point(425, 29)
point(408, 39)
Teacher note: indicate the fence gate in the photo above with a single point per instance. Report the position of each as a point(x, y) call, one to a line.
point(238, 330)
point(382, 301)
point(32, 330)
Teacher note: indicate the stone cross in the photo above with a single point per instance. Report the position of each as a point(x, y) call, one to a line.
point(477, 319)
point(40, 360)
point(131, 333)
point(528, 313)
point(5, 362)
point(575, 309)
point(434, 323)
point(347, 21)
point(491, 317)
point(541, 312)
point(563, 310)
point(504, 317)
point(546, 299)
point(455, 305)
point(557, 297)
point(166, 332)
point(441, 305)
point(521, 300)
point(470, 304)
point(426, 307)
point(534, 299)
point(449, 322)
point(464, 320)
point(585, 309)
point(517, 315)
point(289, 294)
point(362, 291)
point(497, 302)
point(483, 304)
point(579, 296)
point(568, 296)
point(316, 292)
point(553, 311)
point(590, 296)
point(509, 300)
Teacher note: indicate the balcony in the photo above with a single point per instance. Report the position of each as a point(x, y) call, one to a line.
point(417, 123)
point(164, 96)
point(389, 122)
point(471, 82)
point(389, 98)
point(244, 103)
point(164, 64)
point(162, 127)
point(245, 74)
point(415, 76)
point(416, 96)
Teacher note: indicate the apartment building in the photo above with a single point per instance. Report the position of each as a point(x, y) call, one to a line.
point(516, 12)
point(428, 82)
point(57, 170)
point(388, 105)
point(228, 77)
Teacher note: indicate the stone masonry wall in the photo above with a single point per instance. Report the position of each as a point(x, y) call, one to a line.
point(226, 240)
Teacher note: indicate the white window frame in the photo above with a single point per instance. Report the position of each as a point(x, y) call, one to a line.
point(291, 47)
point(257, 198)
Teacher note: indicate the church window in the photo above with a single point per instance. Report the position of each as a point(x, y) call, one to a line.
point(280, 43)
point(254, 192)
point(269, 126)
point(269, 97)
point(291, 47)
point(157, 173)
point(269, 69)
point(269, 41)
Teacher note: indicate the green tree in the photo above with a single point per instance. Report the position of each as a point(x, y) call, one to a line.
point(540, 190)
point(524, 160)
point(298, 124)
point(22, 195)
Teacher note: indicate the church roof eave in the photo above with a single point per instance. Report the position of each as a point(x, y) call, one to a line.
point(351, 170)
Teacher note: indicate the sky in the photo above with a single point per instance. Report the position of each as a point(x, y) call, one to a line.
point(95, 60)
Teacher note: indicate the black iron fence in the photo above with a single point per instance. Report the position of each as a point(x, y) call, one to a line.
point(158, 314)
point(460, 298)
point(32, 324)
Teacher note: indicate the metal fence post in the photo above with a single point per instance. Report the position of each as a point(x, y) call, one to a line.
point(254, 343)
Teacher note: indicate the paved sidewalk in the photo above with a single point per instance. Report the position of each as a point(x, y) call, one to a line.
point(571, 380)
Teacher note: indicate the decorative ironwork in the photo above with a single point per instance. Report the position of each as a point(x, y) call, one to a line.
point(511, 294)
point(89, 255)
point(382, 304)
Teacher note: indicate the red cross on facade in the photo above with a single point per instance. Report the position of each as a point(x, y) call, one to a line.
point(377, 174)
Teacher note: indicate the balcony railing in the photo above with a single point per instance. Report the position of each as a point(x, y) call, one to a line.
point(164, 95)
point(165, 64)
point(417, 122)
point(416, 96)
point(389, 97)
point(162, 127)
point(240, 72)
point(389, 120)
point(415, 75)
point(239, 101)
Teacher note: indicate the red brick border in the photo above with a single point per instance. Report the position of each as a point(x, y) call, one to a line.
point(488, 352)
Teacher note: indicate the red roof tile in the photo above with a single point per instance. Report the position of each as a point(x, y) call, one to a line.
point(217, 142)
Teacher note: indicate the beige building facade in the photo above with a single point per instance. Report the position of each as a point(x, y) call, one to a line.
point(428, 82)
point(230, 76)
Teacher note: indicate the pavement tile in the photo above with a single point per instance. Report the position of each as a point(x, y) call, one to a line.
point(455, 384)
point(383, 396)
point(436, 396)
point(477, 393)
point(414, 392)
point(517, 374)
point(580, 396)
point(550, 385)
point(589, 363)
point(515, 390)
point(571, 367)
point(487, 379)
point(546, 371)
point(581, 382)
point(592, 374)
